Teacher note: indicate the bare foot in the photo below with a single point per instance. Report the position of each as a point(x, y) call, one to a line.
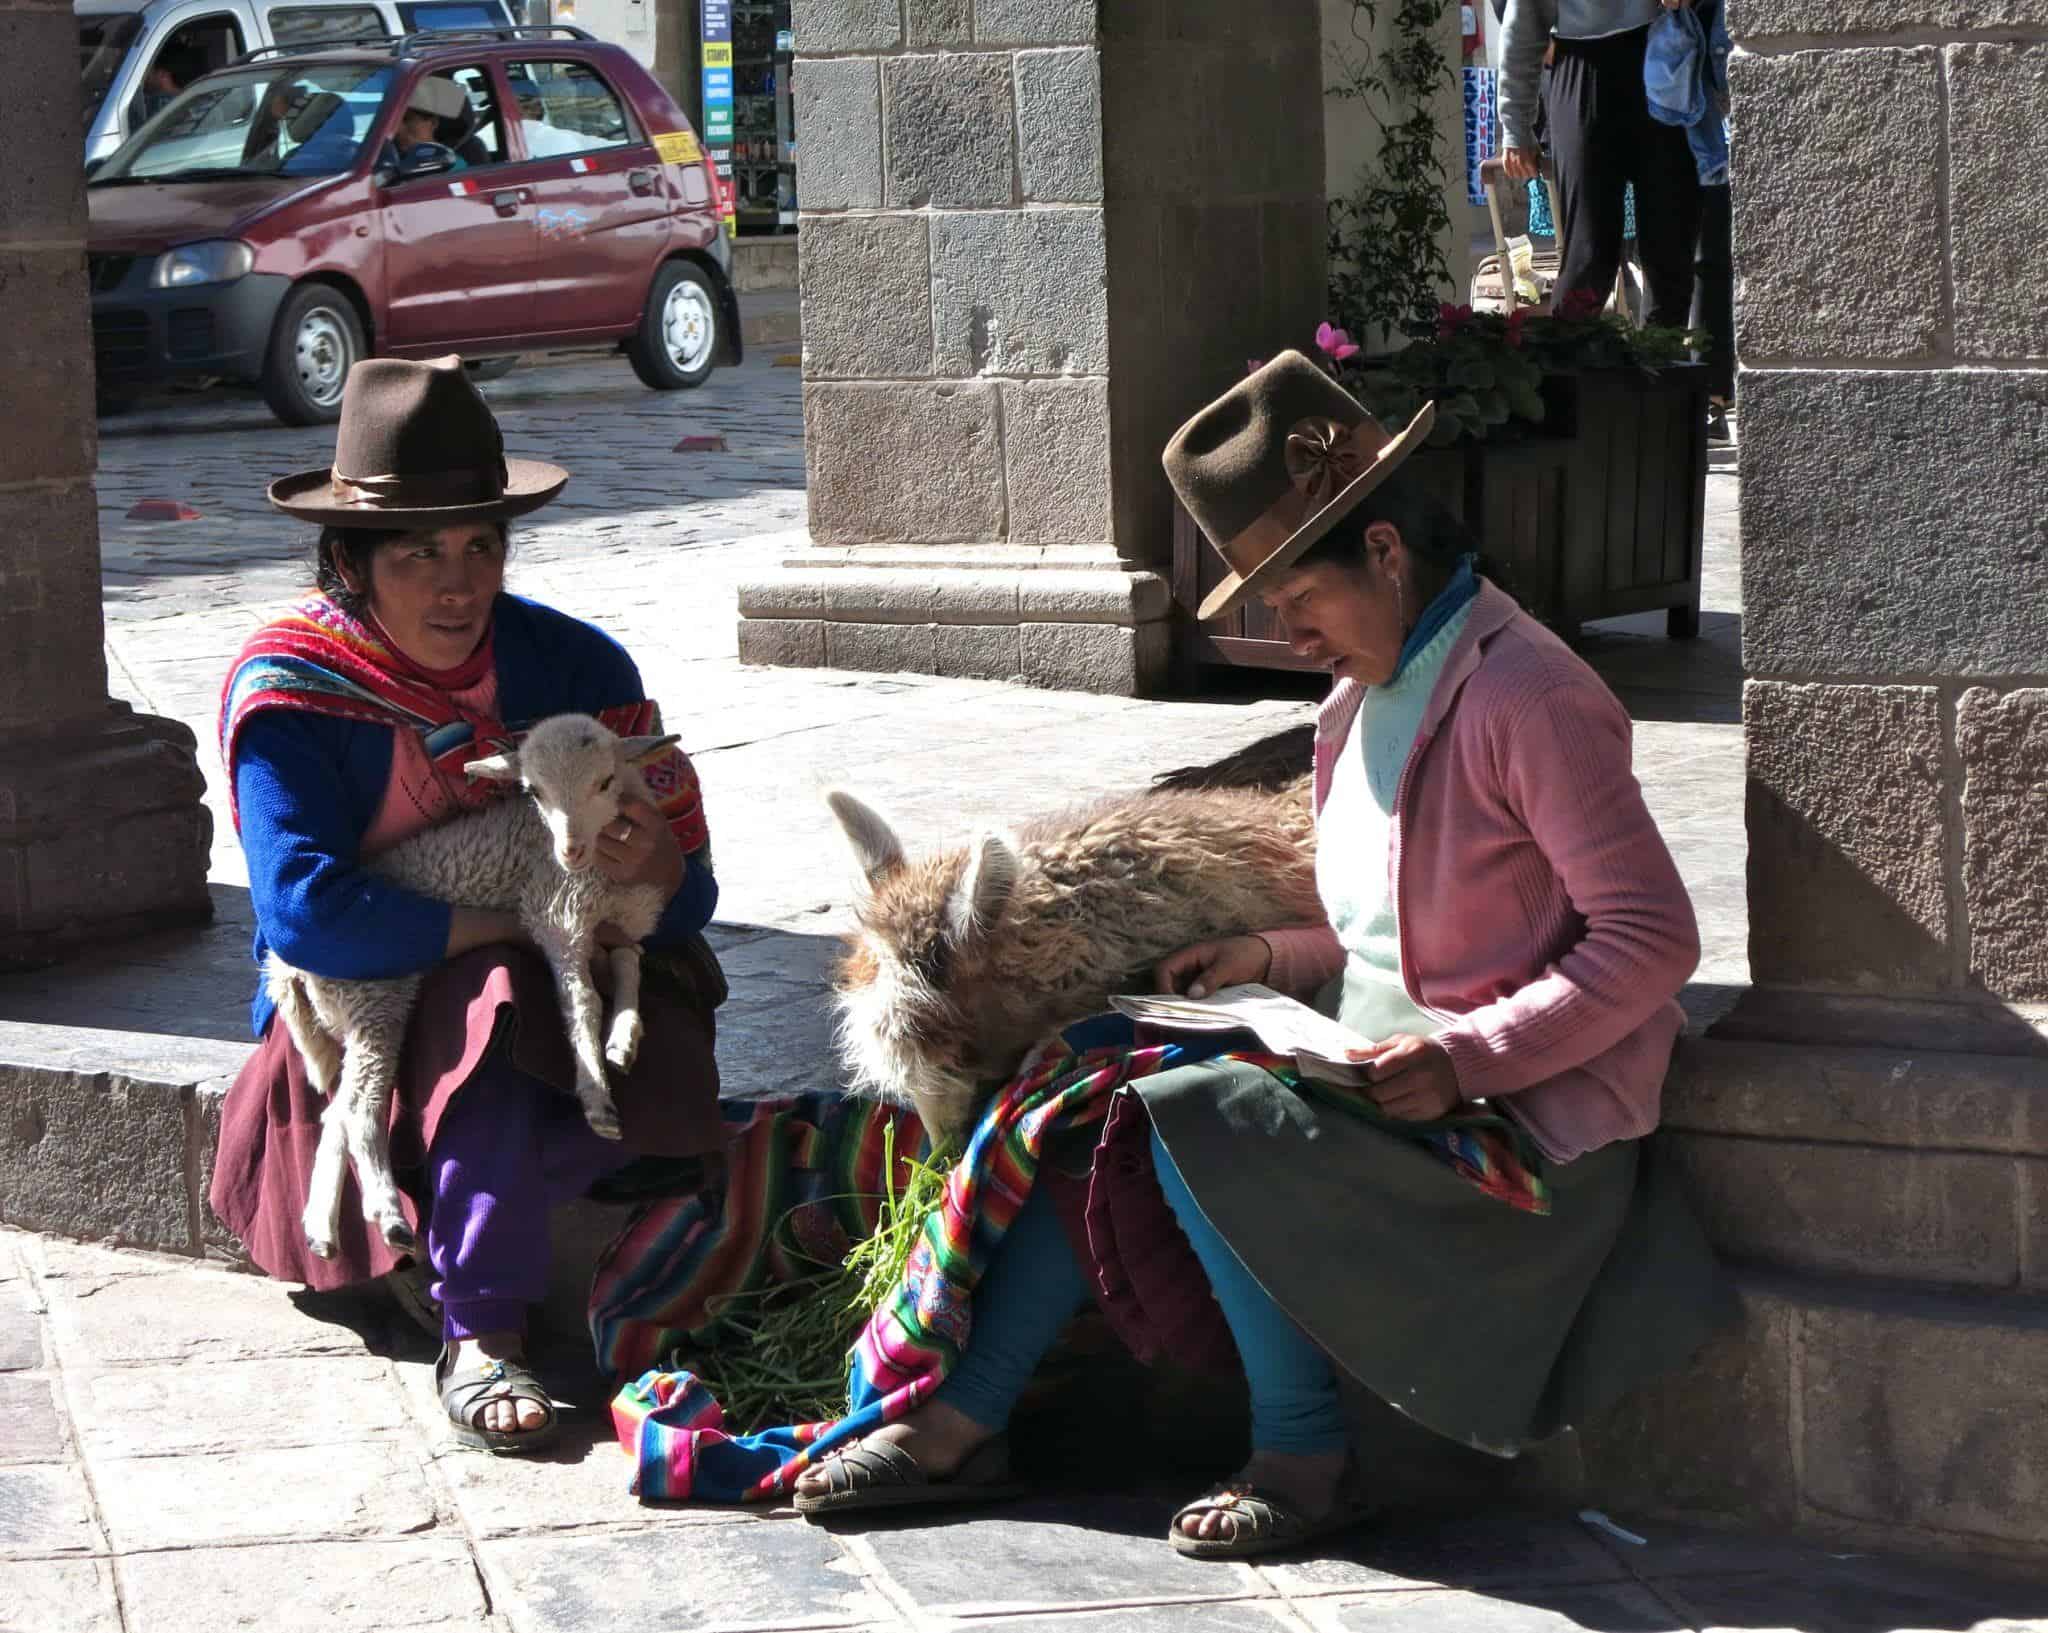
point(936, 1436)
point(1308, 1485)
point(501, 1416)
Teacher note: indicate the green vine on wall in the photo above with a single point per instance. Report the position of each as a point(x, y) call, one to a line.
point(1388, 271)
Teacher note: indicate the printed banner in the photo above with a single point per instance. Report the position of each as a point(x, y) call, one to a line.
point(1482, 87)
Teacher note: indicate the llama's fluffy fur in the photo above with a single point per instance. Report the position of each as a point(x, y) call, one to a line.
point(530, 855)
point(967, 957)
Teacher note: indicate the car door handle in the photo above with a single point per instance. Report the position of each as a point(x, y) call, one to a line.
point(641, 181)
point(507, 203)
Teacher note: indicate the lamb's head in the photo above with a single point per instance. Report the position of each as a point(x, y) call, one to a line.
point(577, 772)
point(909, 980)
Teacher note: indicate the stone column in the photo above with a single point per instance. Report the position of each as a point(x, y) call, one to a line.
point(1034, 241)
point(101, 827)
point(1894, 334)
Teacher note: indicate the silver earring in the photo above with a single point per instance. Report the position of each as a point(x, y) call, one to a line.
point(1400, 607)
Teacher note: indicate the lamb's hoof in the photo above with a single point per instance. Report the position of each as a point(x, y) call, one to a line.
point(604, 1122)
point(622, 1049)
point(398, 1235)
point(321, 1247)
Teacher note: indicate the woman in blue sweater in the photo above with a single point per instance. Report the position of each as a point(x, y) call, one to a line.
point(344, 728)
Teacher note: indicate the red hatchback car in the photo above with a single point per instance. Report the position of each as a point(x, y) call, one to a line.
point(283, 217)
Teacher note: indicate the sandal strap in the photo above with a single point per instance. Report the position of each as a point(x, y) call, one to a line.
point(466, 1394)
point(864, 1466)
point(1255, 1515)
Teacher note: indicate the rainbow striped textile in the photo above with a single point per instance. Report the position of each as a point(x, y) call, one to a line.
point(318, 658)
point(655, 1283)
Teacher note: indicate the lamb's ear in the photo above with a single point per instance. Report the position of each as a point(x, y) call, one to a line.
point(978, 900)
point(875, 846)
point(496, 767)
point(644, 750)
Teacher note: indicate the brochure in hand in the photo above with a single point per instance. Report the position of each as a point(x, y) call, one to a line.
point(1323, 1048)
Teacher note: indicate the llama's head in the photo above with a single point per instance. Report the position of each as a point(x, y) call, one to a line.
point(577, 773)
point(924, 937)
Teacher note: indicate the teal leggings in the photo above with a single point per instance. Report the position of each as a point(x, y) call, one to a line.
point(1033, 1285)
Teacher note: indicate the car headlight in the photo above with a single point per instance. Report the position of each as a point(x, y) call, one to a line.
point(217, 261)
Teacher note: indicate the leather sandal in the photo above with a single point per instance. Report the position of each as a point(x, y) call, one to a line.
point(1262, 1523)
point(876, 1474)
point(465, 1394)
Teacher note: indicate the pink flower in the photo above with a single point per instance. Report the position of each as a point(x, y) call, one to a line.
point(1518, 320)
point(1450, 319)
point(1582, 303)
point(1252, 365)
point(1334, 343)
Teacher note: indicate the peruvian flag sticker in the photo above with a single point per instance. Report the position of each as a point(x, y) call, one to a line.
point(580, 166)
point(462, 189)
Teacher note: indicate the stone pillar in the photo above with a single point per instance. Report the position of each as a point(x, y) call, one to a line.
point(1034, 241)
point(101, 827)
point(1894, 333)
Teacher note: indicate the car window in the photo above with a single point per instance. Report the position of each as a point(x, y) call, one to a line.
point(189, 51)
point(314, 25)
point(309, 120)
point(566, 107)
point(451, 14)
point(103, 41)
point(479, 136)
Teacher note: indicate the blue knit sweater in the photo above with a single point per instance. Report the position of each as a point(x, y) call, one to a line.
point(309, 785)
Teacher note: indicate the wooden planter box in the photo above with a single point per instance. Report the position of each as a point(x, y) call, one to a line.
point(1600, 514)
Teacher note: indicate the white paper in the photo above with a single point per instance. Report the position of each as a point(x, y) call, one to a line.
point(1322, 1047)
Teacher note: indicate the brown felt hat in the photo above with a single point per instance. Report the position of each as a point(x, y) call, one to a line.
point(1275, 463)
point(417, 447)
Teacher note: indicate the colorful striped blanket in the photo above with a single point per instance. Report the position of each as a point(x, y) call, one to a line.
point(807, 1169)
point(318, 658)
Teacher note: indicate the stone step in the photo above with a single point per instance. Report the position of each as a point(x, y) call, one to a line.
point(770, 321)
point(764, 263)
point(1917, 1166)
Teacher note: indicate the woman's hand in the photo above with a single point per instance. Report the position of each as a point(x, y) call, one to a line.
point(637, 848)
point(1412, 1078)
point(1207, 965)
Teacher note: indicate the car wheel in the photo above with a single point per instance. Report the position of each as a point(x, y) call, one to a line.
point(678, 344)
point(314, 343)
point(491, 368)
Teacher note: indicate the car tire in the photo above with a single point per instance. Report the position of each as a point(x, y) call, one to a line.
point(315, 341)
point(678, 343)
point(483, 369)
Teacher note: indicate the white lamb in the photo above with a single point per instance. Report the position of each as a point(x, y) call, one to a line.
point(532, 856)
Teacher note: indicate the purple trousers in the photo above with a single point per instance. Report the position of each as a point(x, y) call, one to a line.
point(509, 1148)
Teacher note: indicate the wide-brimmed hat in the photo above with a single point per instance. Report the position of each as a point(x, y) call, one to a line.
point(1275, 463)
point(417, 447)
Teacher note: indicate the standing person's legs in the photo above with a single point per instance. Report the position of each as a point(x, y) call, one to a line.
point(1590, 148)
point(1713, 306)
point(1667, 218)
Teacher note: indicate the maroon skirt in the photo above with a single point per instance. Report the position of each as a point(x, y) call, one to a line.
point(495, 1002)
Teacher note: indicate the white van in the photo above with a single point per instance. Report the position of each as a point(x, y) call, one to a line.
point(135, 55)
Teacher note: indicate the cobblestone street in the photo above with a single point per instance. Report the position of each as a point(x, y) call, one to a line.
point(184, 1448)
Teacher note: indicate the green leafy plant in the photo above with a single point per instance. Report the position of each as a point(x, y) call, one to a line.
point(1387, 265)
point(1485, 371)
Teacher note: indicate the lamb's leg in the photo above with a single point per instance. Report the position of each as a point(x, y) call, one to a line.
point(583, 1019)
point(322, 1219)
point(622, 1046)
point(369, 1071)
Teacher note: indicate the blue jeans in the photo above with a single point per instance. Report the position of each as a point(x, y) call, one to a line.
point(1033, 1285)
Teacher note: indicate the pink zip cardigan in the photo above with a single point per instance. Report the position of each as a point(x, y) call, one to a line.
point(1541, 917)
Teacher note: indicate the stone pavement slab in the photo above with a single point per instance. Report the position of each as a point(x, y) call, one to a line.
point(1610, 1607)
point(59, 1596)
point(317, 1587)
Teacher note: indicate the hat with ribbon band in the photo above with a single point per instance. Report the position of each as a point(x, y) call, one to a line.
point(417, 447)
point(1275, 463)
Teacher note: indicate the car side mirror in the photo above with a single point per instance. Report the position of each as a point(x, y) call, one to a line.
point(91, 165)
point(425, 159)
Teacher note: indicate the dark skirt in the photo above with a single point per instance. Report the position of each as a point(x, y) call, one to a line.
point(1490, 1325)
point(490, 1000)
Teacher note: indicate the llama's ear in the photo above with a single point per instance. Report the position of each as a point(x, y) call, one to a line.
point(875, 845)
point(644, 750)
point(496, 767)
point(978, 900)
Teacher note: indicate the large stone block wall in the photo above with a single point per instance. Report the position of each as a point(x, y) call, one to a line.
point(1031, 246)
point(101, 825)
point(1894, 337)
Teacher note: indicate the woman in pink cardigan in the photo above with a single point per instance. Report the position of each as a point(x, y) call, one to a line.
point(1473, 1232)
